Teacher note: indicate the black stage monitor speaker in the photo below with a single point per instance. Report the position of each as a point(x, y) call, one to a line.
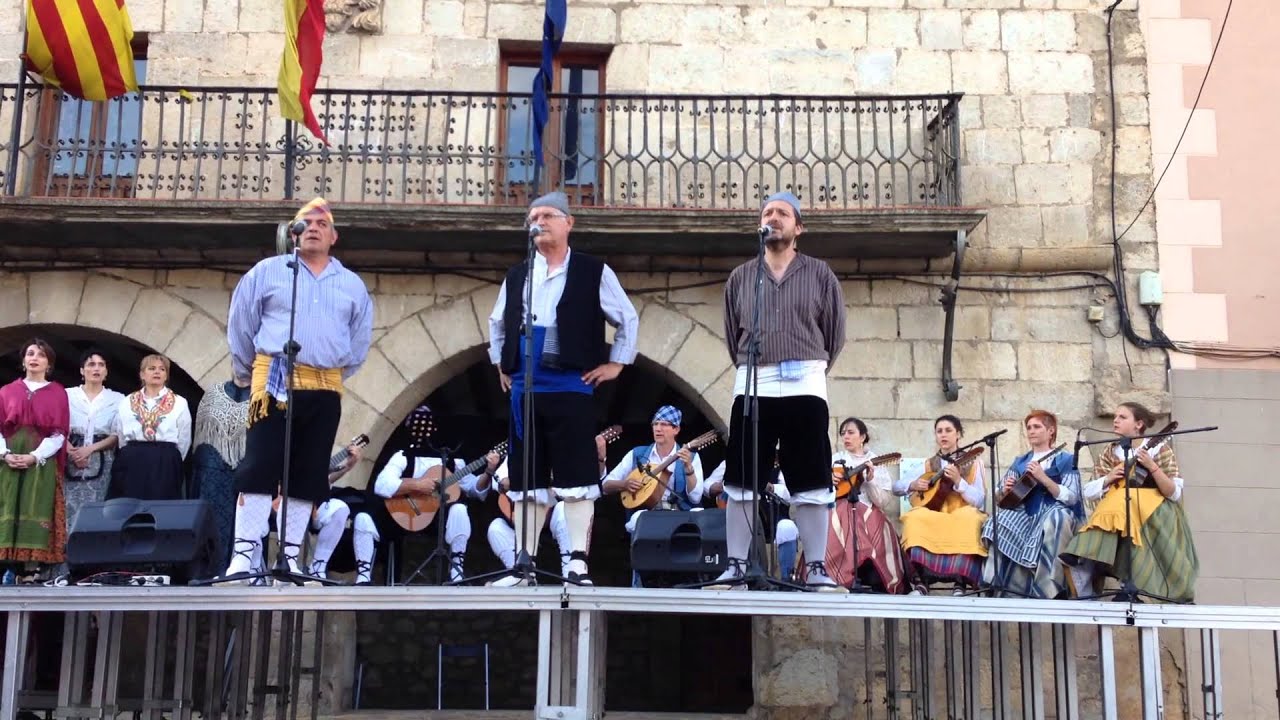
point(173, 537)
point(672, 541)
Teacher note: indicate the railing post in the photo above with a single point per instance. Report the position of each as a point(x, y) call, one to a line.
point(1107, 668)
point(1032, 671)
point(1064, 673)
point(1001, 707)
point(1152, 685)
point(1211, 673)
point(15, 651)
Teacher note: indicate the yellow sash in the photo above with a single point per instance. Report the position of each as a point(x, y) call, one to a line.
point(305, 377)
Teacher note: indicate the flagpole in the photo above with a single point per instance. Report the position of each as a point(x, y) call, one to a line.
point(15, 136)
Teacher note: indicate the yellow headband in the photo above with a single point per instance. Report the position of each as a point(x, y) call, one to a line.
point(319, 205)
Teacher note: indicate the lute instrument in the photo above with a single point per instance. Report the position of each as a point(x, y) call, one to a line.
point(655, 478)
point(848, 479)
point(609, 434)
point(1026, 482)
point(1139, 476)
point(940, 488)
point(415, 511)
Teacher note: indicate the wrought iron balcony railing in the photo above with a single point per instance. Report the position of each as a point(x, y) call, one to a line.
point(674, 151)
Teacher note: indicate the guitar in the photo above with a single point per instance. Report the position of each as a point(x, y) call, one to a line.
point(1022, 487)
point(847, 479)
point(939, 489)
point(415, 511)
point(609, 434)
point(335, 463)
point(648, 496)
point(1140, 477)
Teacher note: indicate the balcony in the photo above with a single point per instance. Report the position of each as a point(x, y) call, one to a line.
point(879, 176)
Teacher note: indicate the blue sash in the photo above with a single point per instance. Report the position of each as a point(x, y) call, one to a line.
point(545, 379)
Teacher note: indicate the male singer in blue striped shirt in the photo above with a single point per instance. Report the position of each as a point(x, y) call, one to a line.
point(333, 326)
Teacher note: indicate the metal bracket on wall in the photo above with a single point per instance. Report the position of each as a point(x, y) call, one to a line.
point(949, 385)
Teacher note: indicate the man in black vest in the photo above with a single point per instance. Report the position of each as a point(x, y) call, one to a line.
point(574, 295)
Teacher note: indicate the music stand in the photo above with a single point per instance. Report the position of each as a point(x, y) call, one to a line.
point(1128, 592)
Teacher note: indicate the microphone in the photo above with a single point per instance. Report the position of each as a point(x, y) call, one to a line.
point(765, 232)
point(534, 231)
point(298, 227)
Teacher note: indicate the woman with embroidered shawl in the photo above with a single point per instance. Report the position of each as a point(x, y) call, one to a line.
point(221, 423)
point(1155, 551)
point(155, 435)
point(1033, 534)
point(863, 525)
point(945, 544)
point(34, 423)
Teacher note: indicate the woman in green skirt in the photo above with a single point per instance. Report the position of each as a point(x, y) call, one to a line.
point(1150, 544)
point(34, 423)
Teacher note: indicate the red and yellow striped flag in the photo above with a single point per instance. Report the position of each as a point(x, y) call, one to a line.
point(300, 64)
point(82, 46)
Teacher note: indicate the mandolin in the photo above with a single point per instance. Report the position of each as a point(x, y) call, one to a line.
point(846, 478)
point(1022, 487)
point(609, 434)
point(939, 489)
point(648, 496)
point(415, 511)
point(1140, 477)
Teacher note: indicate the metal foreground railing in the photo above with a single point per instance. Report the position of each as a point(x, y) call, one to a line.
point(889, 657)
point(425, 147)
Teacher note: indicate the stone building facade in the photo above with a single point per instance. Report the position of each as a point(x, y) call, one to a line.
point(1035, 129)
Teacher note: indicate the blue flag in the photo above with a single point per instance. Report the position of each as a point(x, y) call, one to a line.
point(552, 35)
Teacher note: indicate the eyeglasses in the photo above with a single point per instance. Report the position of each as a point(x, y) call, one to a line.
point(539, 218)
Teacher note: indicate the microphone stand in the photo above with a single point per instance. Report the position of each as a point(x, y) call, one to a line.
point(855, 492)
point(755, 577)
point(1128, 592)
point(441, 550)
point(990, 441)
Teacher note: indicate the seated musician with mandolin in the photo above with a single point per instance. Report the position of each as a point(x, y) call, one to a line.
point(409, 493)
point(660, 476)
point(861, 526)
point(941, 532)
point(1040, 509)
point(1154, 549)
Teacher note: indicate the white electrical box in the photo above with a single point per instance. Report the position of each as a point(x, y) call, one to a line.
point(1150, 289)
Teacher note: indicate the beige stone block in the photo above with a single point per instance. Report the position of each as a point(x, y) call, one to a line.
point(1017, 226)
point(778, 27)
point(218, 17)
point(145, 17)
point(983, 4)
point(926, 4)
point(662, 332)
point(651, 24)
point(255, 15)
point(868, 3)
point(377, 383)
point(1034, 30)
point(408, 56)
point(875, 69)
point(182, 16)
point(886, 292)
point(389, 310)
point(156, 318)
point(452, 286)
point(443, 18)
point(196, 278)
point(981, 29)
point(1132, 110)
point(483, 301)
point(923, 71)
point(842, 28)
point(509, 21)
point(1043, 324)
point(1069, 145)
point(942, 30)
point(13, 299)
point(628, 68)
point(1035, 145)
point(855, 292)
point(863, 323)
point(1054, 183)
point(925, 400)
point(1010, 399)
point(874, 359)
point(214, 303)
point(1044, 110)
point(1133, 155)
point(1055, 362)
point(1065, 225)
point(981, 73)
point(409, 348)
point(998, 111)
point(802, 679)
point(993, 147)
point(217, 373)
point(861, 398)
point(694, 69)
point(200, 346)
point(893, 28)
point(989, 185)
point(453, 327)
point(1050, 72)
point(1149, 386)
point(403, 17)
point(717, 402)
point(969, 360)
point(591, 25)
point(106, 303)
point(926, 323)
point(137, 276)
point(700, 360)
point(808, 3)
point(205, 50)
point(695, 288)
point(475, 15)
point(394, 284)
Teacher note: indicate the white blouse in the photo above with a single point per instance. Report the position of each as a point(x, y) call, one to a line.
point(974, 493)
point(880, 489)
point(174, 427)
point(92, 417)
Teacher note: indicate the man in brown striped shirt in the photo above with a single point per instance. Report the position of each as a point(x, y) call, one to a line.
point(801, 333)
